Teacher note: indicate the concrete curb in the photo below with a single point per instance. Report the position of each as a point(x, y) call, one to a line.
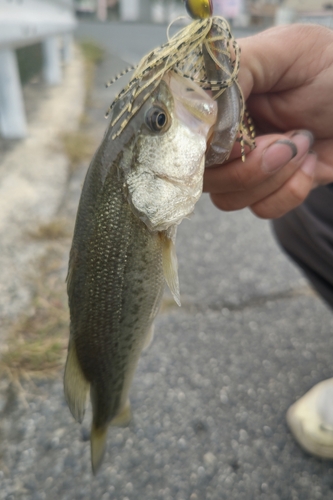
point(35, 174)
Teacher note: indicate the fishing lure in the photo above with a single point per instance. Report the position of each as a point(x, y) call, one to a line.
point(187, 53)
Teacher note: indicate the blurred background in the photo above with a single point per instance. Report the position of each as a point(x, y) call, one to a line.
point(31, 31)
point(210, 395)
point(29, 28)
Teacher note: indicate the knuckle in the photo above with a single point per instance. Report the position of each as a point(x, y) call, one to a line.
point(261, 211)
point(298, 190)
point(224, 202)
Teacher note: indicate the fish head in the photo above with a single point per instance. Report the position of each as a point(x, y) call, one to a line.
point(164, 178)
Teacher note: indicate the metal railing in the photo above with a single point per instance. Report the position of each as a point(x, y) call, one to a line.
point(25, 22)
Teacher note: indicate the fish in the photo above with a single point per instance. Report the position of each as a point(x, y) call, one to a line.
point(144, 179)
point(219, 69)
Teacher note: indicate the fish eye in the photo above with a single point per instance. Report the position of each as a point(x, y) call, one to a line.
point(156, 119)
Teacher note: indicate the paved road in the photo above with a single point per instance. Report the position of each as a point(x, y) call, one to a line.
point(210, 395)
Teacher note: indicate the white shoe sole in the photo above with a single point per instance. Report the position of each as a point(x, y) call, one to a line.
point(310, 420)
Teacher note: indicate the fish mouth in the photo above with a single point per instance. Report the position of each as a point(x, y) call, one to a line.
point(194, 107)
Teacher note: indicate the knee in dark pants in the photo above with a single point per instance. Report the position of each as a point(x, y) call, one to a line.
point(284, 234)
point(306, 235)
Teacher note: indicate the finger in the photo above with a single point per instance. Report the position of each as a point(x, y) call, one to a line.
point(324, 169)
point(236, 175)
point(239, 200)
point(236, 152)
point(291, 194)
point(274, 59)
point(281, 69)
point(273, 152)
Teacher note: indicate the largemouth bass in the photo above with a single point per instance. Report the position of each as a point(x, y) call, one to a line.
point(143, 180)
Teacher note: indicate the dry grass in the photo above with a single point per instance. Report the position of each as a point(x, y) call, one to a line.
point(93, 55)
point(37, 342)
point(92, 52)
point(78, 146)
point(54, 230)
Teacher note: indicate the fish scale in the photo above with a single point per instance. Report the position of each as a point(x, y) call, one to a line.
point(124, 250)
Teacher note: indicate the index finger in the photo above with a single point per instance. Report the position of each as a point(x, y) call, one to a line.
point(238, 176)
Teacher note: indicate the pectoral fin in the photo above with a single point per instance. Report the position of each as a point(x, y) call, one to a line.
point(75, 385)
point(149, 338)
point(170, 267)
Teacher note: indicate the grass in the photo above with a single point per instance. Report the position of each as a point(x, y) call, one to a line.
point(93, 55)
point(55, 229)
point(78, 146)
point(38, 341)
point(92, 52)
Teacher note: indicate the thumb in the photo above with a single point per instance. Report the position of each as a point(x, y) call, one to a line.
point(272, 154)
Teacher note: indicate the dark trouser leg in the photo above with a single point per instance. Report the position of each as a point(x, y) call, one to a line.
point(306, 234)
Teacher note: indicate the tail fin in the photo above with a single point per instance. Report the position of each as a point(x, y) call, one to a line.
point(97, 446)
point(99, 434)
point(75, 385)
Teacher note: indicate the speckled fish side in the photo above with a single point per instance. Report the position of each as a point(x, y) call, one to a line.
point(138, 188)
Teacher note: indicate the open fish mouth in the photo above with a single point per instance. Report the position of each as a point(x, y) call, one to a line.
point(193, 106)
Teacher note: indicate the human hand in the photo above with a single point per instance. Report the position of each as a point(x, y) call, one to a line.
point(286, 76)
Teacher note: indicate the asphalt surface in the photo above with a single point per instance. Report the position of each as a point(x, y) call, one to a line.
point(210, 395)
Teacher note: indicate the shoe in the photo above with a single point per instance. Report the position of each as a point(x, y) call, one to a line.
point(310, 420)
